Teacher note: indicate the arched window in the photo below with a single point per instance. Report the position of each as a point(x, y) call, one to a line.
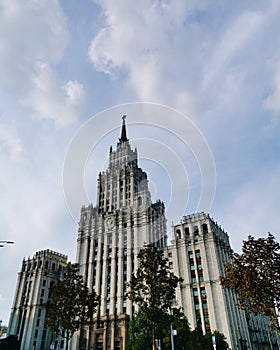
point(178, 234)
point(195, 231)
point(204, 228)
point(187, 231)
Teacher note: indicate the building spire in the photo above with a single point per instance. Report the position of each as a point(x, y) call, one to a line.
point(123, 137)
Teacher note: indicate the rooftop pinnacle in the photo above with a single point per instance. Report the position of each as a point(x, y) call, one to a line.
point(123, 137)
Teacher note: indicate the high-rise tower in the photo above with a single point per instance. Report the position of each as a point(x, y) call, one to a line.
point(27, 320)
point(109, 237)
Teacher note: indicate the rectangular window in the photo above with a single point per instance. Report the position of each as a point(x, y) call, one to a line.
point(203, 292)
point(195, 292)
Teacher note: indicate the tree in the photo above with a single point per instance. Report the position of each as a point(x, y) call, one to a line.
point(219, 338)
point(198, 341)
point(140, 331)
point(153, 287)
point(255, 275)
point(70, 304)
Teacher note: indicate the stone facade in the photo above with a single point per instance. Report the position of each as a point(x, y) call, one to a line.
point(28, 313)
point(198, 251)
point(109, 238)
point(110, 235)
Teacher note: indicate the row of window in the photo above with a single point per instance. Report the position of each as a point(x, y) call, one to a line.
point(34, 265)
point(195, 231)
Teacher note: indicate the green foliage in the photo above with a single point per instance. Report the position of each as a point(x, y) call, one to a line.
point(220, 340)
point(198, 341)
point(152, 288)
point(255, 275)
point(140, 331)
point(70, 304)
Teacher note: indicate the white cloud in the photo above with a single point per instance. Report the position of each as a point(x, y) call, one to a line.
point(33, 37)
point(10, 143)
point(52, 101)
point(189, 55)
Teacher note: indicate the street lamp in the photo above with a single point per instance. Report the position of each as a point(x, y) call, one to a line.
point(2, 243)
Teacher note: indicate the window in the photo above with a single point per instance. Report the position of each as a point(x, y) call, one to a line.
point(190, 255)
point(195, 292)
point(204, 228)
point(187, 231)
point(171, 265)
point(197, 254)
point(203, 292)
point(195, 231)
point(201, 279)
point(117, 345)
point(192, 267)
point(196, 306)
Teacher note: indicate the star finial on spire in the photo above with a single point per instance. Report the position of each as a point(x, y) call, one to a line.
point(123, 137)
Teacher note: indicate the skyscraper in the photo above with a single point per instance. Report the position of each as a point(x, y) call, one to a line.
point(27, 320)
point(110, 235)
point(198, 251)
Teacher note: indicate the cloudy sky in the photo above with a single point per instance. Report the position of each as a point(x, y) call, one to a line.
point(199, 82)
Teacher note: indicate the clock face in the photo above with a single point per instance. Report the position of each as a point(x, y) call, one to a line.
point(110, 223)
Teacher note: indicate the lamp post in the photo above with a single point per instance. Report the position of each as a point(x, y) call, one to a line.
point(2, 243)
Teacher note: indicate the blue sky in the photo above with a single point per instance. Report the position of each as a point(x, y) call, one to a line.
point(206, 79)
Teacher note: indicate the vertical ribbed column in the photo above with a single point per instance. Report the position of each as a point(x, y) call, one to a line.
point(99, 265)
point(120, 273)
point(91, 259)
point(114, 272)
point(103, 294)
point(129, 262)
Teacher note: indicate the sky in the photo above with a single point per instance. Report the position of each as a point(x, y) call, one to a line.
point(199, 82)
